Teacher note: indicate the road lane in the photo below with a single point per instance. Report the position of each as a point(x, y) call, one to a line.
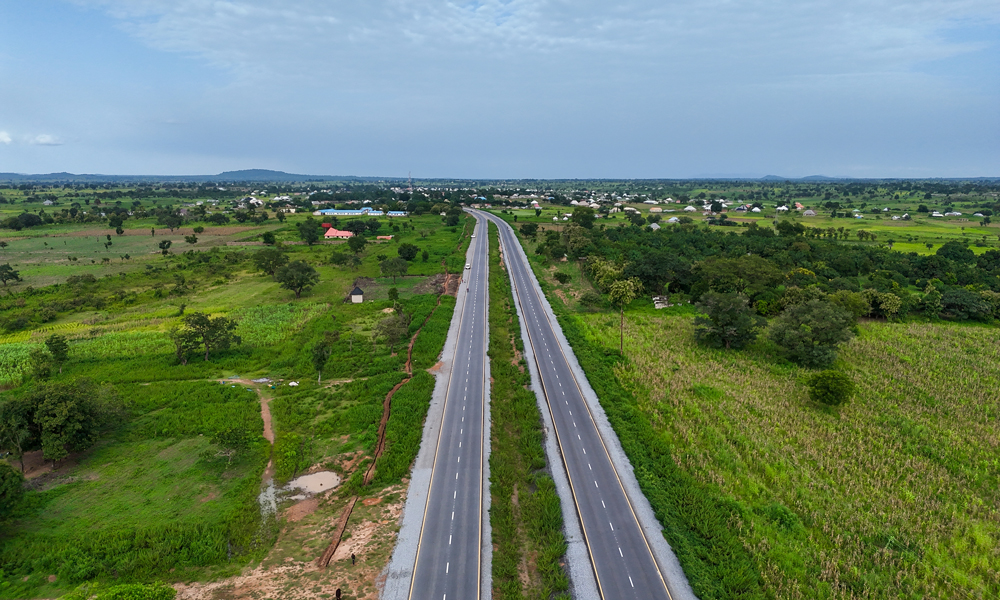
point(621, 558)
point(448, 561)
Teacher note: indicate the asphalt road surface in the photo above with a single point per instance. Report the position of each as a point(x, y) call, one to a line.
point(448, 554)
point(620, 554)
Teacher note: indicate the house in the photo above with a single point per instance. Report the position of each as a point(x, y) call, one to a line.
point(357, 296)
point(936, 214)
point(383, 237)
point(673, 220)
point(654, 226)
point(755, 209)
point(48, 203)
point(656, 209)
point(798, 206)
point(809, 213)
point(332, 233)
point(690, 209)
point(782, 209)
point(326, 225)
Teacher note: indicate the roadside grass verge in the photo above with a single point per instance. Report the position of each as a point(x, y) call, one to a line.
point(525, 513)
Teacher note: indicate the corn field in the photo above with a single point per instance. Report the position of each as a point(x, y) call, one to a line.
point(894, 495)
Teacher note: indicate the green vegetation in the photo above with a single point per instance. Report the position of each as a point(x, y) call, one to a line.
point(761, 490)
point(159, 466)
point(525, 513)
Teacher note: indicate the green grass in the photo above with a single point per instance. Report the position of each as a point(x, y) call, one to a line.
point(525, 513)
point(892, 496)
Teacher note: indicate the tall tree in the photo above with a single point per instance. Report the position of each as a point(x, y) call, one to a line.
point(394, 267)
point(297, 276)
point(269, 260)
point(309, 231)
point(212, 333)
point(14, 434)
point(59, 349)
point(7, 273)
point(357, 244)
point(322, 350)
point(726, 320)
point(185, 341)
point(810, 333)
point(622, 293)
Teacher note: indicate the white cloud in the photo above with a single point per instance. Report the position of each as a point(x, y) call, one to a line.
point(45, 139)
point(5, 137)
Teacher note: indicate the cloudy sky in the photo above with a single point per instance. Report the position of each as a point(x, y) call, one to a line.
point(502, 88)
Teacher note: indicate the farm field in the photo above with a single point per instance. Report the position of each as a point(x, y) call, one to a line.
point(893, 496)
point(764, 493)
point(164, 493)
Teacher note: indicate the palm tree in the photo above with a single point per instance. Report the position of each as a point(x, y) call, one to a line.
point(622, 293)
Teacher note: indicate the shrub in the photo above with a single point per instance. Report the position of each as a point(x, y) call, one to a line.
point(830, 387)
point(11, 488)
point(562, 277)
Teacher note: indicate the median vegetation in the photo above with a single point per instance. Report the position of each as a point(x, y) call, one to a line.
point(525, 513)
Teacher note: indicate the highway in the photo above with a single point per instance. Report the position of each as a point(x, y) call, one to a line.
point(620, 554)
point(448, 557)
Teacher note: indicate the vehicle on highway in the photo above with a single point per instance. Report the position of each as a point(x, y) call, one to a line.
point(468, 266)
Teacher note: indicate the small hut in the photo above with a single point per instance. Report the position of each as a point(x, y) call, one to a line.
point(357, 296)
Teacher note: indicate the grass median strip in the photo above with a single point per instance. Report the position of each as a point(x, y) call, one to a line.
point(525, 513)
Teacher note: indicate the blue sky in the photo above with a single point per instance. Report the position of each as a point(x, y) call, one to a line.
point(518, 88)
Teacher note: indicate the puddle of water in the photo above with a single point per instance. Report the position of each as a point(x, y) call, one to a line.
point(267, 500)
point(315, 483)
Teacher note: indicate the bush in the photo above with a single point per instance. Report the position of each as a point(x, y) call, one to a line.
point(11, 488)
point(830, 387)
point(562, 277)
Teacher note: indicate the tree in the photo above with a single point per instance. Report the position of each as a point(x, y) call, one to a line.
point(529, 230)
point(165, 247)
point(830, 387)
point(14, 433)
point(309, 231)
point(621, 294)
point(115, 221)
point(11, 488)
point(810, 333)
point(213, 334)
point(297, 276)
point(322, 350)
point(922, 208)
point(583, 216)
point(338, 257)
point(268, 238)
point(931, 302)
point(40, 363)
point(726, 320)
point(424, 256)
point(59, 349)
point(394, 267)
point(199, 230)
point(231, 440)
point(393, 294)
point(185, 341)
point(3, 245)
point(66, 417)
point(393, 328)
point(407, 251)
point(191, 239)
point(716, 206)
point(269, 260)
point(7, 273)
point(357, 227)
point(357, 244)
point(172, 222)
